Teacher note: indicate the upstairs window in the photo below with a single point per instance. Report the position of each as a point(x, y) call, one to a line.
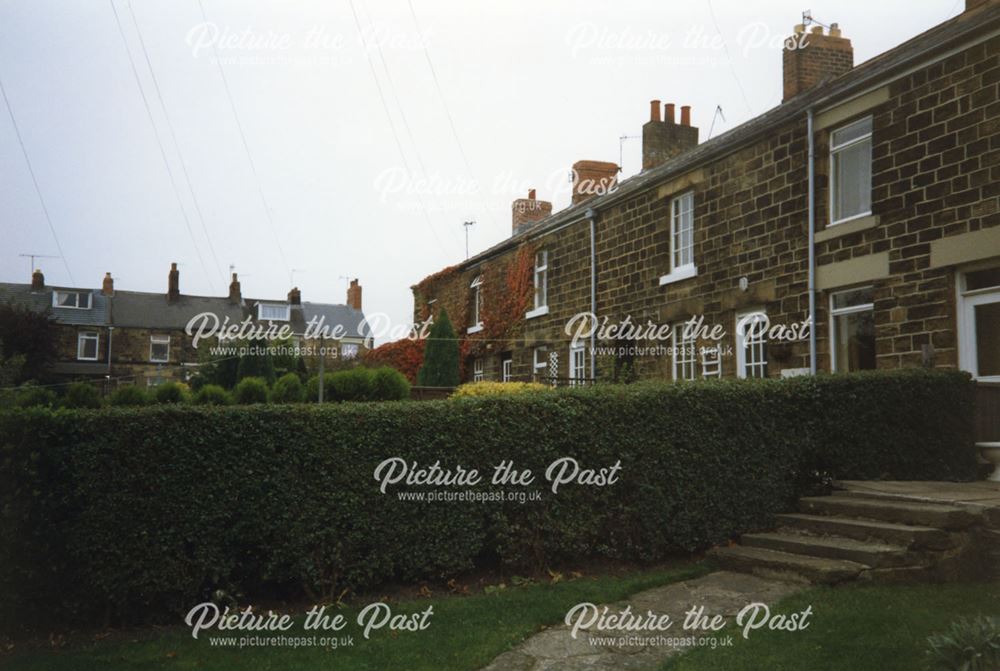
point(274, 312)
point(541, 279)
point(477, 304)
point(159, 348)
point(71, 299)
point(682, 264)
point(682, 232)
point(851, 171)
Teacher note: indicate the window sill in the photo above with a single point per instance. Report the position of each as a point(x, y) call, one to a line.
point(475, 329)
point(537, 312)
point(679, 274)
point(856, 224)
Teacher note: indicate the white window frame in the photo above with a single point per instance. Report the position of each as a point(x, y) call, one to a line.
point(541, 285)
point(159, 340)
point(284, 307)
point(744, 368)
point(840, 312)
point(86, 336)
point(836, 149)
point(967, 301)
point(685, 359)
point(478, 368)
point(506, 370)
point(540, 361)
point(349, 350)
point(79, 296)
point(477, 305)
point(577, 363)
point(686, 268)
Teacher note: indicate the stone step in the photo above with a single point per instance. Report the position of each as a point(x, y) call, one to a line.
point(899, 512)
point(905, 535)
point(876, 555)
point(786, 566)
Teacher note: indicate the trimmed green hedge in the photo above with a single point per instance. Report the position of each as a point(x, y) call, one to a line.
point(135, 514)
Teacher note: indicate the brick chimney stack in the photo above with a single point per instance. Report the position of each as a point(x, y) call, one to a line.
point(527, 211)
point(37, 280)
point(235, 295)
point(295, 296)
point(108, 286)
point(810, 59)
point(354, 294)
point(593, 178)
point(173, 284)
point(664, 139)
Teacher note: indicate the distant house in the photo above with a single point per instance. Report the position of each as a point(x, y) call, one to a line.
point(140, 337)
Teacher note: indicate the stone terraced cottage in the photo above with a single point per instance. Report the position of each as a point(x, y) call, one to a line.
point(888, 172)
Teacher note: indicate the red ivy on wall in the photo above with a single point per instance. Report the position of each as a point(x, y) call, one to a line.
point(507, 292)
point(406, 356)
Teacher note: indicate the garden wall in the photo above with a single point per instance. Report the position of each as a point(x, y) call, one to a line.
point(133, 515)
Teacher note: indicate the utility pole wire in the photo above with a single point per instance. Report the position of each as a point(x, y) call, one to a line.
point(34, 180)
point(246, 146)
point(392, 124)
point(159, 143)
point(177, 146)
point(444, 104)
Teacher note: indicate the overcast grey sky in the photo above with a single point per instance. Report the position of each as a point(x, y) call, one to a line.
point(530, 88)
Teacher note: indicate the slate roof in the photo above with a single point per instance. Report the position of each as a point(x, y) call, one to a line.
point(939, 39)
point(40, 301)
point(140, 309)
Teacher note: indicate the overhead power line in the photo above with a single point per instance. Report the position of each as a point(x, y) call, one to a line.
point(34, 181)
point(159, 143)
point(177, 146)
point(388, 115)
point(246, 147)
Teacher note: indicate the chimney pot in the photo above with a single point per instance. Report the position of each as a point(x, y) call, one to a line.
point(654, 110)
point(528, 211)
point(799, 28)
point(596, 178)
point(235, 295)
point(686, 115)
point(354, 294)
point(669, 116)
point(807, 63)
point(108, 286)
point(173, 284)
point(37, 280)
point(295, 296)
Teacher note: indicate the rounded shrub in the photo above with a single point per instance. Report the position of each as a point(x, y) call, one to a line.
point(82, 395)
point(212, 394)
point(130, 396)
point(34, 397)
point(356, 384)
point(250, 390)
point(288, 389)
point(389, 384)
point(172, 392)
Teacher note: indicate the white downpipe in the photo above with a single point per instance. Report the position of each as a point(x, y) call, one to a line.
point(812, 243)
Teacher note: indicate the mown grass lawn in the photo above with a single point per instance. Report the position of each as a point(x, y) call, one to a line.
point(854, 627)
point(466, 632)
